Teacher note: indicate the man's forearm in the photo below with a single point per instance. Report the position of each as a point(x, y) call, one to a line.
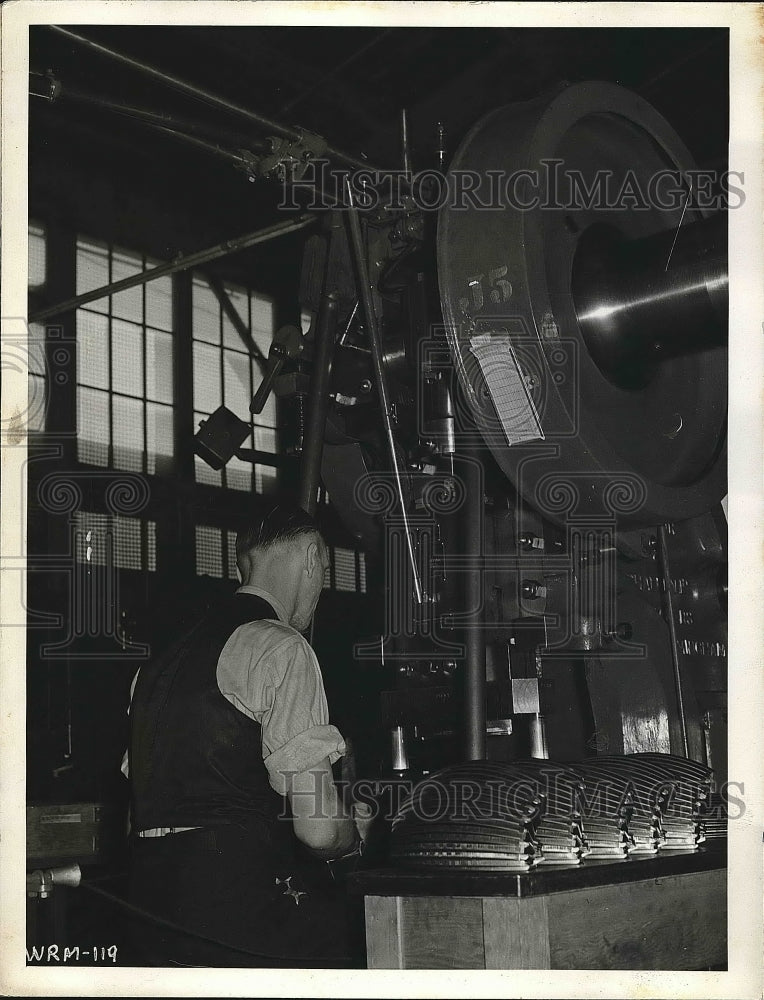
point(345, 840)
point(321, 820)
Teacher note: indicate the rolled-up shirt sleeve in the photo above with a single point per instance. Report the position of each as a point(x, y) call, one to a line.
point(269, 672)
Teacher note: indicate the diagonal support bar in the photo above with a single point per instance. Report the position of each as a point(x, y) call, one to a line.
point(237, 322)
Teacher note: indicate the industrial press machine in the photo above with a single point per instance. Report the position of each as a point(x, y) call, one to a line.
point(513, 389)
point(526, 422)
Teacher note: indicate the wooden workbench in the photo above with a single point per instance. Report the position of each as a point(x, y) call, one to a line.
point(664, 912)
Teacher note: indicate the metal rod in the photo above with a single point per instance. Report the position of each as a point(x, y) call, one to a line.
point(245, 334)
point(184, 128)
point(356, 241)
point(405, 143)
point(180, 263)
point(318, 402)
point(209, 147)
point(204, 95)
point(668, 613)
point(474, 666)
point(261, 457)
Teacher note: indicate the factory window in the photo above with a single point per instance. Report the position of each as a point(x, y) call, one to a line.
point(347, 571)
point(225, 374)
point(132, 540)
point(37, 256)
point(37, 385)
point(216, 556)
point(124, 364)
point(215, 552)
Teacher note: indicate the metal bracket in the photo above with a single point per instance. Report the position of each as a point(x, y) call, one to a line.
point(287, 159)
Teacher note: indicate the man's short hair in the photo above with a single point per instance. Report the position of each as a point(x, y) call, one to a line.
point(281, 523)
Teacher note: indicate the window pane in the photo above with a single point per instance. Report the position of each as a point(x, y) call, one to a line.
point(92, 349)
point(127, 304)
point(204, 474)
point(94, 530)
point(362, 568)
point(206, 310)
point(265, 479)
point(232, 555)
point(238, 474)
point(151, 539)
point(344, 569)
point(36, 256)
point(159, 442)
point(159, 366)
point(207, 394)
point(159, 301)
point(236, 375)
point(262, 322)
point(240, 301)
point(92, 426)
point(36, 402)
point(127, 433)
point(209, 551)
point(127, 542)
point(265, 440)
point(36, 349)
point(92, 271)
point(126, 358)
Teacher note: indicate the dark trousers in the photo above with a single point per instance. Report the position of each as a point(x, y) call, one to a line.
point(220, 885)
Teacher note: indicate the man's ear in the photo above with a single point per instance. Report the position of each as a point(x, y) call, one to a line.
point(311, 556)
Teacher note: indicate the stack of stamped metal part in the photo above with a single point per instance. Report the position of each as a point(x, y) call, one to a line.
point(474, 815)
point(557, 830)
point(513, 816)
point(608, 809)
point(714, 817)
point(681, 798)
point(643, 803)
point(491, 816)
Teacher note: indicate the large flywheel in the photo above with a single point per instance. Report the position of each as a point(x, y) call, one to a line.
point(584, 294)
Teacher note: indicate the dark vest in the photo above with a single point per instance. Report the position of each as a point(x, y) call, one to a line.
point(195, 760)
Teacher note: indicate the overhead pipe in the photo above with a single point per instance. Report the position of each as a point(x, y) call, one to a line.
point(180, 263)
point(204, 95)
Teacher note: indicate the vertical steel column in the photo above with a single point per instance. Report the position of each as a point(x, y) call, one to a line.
point(318, 401)
point(176, 530)
point(474, 666)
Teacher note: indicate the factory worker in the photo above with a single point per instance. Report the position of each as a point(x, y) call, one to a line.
point(233, 807)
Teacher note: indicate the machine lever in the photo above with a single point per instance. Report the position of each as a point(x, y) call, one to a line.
point(286, 346)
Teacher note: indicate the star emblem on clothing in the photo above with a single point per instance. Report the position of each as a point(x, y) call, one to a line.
point(289, 891)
